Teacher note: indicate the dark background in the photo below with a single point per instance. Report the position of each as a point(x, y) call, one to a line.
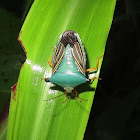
point(115, 113)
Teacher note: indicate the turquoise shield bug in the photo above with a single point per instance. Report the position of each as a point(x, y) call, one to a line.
point(69, 64)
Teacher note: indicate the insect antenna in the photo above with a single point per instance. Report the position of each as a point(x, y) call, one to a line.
point(54, 97)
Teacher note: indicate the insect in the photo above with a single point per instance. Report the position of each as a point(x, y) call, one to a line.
point(69, 64)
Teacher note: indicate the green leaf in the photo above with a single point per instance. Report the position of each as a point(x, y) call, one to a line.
point(31, 117)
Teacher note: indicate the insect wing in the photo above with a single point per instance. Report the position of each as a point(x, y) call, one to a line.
point(79, 57)
point(57, 57)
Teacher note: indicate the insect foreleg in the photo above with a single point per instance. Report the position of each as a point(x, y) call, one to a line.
point(66, 96)
point(76, 95)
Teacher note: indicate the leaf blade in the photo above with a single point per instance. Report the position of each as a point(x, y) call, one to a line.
point(33, 117)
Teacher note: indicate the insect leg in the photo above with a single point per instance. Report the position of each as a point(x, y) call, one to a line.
point(76, 95)
point(50, 61)
point(66, 96)
point(46, 79)
point(96, 78)
point(97, 62)
point(52, 48)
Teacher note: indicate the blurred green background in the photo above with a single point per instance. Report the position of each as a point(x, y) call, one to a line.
point(116, 109)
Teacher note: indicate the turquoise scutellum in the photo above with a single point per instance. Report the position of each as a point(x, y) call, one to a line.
point(69, 64)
